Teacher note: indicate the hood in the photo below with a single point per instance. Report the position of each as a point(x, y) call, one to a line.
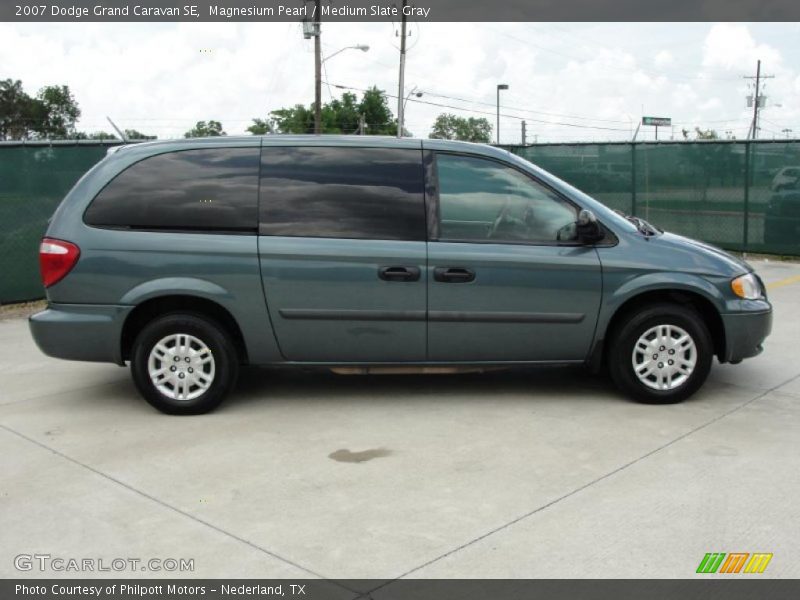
point(702, 256)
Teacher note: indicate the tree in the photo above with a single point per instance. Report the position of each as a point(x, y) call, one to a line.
point(133, 134)
point(261, 127)
point(451, 127)
point(97, 135)
point(102, 135)
point(130, 134)
point(708, 134)
point(205, 129)
point(54, 112)
point(297, 119)
point(377, 114)
point(15, 110)
point(340, 115)
point(701, 134)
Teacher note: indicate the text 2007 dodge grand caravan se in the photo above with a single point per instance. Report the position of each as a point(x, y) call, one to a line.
point(191, 258)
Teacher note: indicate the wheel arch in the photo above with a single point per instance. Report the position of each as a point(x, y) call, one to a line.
point(154, 307)
point(683, 296)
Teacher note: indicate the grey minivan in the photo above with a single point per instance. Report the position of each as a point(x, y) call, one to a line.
point(190, 258)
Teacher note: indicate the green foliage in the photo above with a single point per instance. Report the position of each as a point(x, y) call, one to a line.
point(133, 134)
point(15, 106)
point(297, 119)
point(700, 134)
point(130, 134)
point(451, 127)
point(55, 112)
point(261, 127)
point(52, 114)
point(97, 135)
point(205, 129)
point(102, 135)
point(708, 134)
point(377, 114)
point(340, 115)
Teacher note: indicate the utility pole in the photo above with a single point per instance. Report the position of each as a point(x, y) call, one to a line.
point(757, 98)
point(401, 83)
point(317, 67)
point(524, 134)
point(500, 86)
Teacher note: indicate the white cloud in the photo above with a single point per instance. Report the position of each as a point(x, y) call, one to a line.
point(732, 46)
point(663, 58)
point(154, 77)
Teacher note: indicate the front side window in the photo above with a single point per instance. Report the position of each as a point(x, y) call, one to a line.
point(483, 200)
point(213, 189)
point(356, 193)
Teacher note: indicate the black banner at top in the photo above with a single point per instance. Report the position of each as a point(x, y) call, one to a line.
point(392, 10)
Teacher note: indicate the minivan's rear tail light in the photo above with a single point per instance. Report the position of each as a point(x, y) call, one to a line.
point(56, 259)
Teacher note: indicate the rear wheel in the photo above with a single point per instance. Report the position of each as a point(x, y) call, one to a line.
point(184, 364)
point(661, 354)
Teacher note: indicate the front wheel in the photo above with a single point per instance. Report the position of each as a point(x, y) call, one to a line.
point(661, 355)
point(184, 364)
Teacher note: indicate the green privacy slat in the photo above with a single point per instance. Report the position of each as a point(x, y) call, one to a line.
point(694, 189)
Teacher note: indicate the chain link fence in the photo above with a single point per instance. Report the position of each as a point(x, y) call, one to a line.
point(742, 196)
point(33, 179)
point(698, 189)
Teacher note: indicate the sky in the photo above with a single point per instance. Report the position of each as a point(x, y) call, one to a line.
point(568, 81)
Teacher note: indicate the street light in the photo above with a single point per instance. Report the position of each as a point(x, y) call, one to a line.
point(401, 123)
point(362, 47)
point(320, 62)
point(500, 86)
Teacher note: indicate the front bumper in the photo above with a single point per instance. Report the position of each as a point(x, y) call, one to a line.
point(745, 333)
point(91, 332)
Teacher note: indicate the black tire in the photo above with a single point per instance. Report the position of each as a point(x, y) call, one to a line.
point(212, 336)
point(623, 340)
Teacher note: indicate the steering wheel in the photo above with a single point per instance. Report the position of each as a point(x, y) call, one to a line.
point(502, 219)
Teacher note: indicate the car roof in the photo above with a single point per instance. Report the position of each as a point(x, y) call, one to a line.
point(362, 141)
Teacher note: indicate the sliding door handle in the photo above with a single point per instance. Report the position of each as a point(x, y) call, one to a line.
point(453, 274)
point(399, 273)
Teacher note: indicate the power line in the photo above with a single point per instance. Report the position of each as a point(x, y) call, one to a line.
point(526, 110)
point(484, 112)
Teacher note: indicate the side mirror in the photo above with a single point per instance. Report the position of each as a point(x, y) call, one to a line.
point(588, 229)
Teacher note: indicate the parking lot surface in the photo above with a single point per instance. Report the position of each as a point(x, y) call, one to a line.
point(537, 473)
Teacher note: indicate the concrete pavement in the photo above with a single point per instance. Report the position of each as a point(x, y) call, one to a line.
point(545, 473)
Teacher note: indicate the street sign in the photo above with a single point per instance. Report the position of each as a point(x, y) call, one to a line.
point(657, 121)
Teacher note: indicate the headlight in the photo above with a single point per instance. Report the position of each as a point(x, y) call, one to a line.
point(747, 287)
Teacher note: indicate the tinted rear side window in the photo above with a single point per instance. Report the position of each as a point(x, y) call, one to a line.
point(194, 190)
point(361, 193)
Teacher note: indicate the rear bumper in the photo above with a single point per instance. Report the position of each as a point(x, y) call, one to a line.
point(745, 333)
point(89, 332)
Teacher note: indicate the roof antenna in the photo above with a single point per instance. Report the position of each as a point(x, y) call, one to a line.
point(121, 135)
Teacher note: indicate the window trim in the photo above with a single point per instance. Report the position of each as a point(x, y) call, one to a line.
point(179, 229)
point(423, 233)
point(434, 226)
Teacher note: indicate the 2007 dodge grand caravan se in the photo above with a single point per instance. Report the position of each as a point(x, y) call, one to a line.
point(190, 258)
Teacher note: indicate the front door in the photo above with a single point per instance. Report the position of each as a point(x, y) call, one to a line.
point(507, 280)
point(343, 252)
